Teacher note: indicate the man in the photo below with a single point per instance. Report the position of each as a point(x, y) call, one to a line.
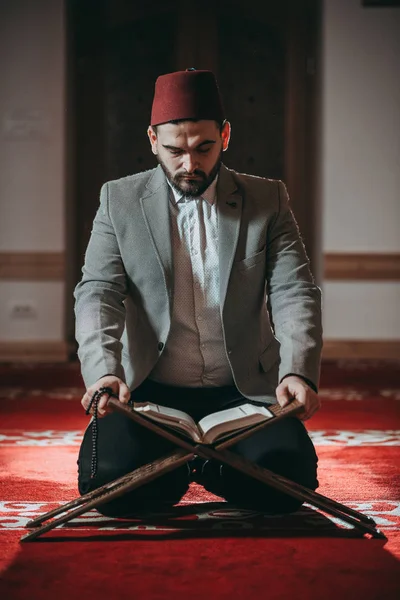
point(197, 294)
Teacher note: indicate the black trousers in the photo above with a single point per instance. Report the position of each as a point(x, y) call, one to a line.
point(123, 445)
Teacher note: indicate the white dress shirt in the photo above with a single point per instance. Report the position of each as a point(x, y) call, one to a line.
point(194, 355)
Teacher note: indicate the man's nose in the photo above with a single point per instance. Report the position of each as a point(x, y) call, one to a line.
point(189, 163)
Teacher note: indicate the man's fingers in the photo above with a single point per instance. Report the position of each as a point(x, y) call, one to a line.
point(283, 395)
point(311, 406)
point(117, 387)
point(305, 412)
point(124, 393)
point(84, 400)
point(87, 397)
point(291, 388)
point(102, 405)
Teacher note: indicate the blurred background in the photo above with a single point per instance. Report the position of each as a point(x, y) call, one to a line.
point(312, 90)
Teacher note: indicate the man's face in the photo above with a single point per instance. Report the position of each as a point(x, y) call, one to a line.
point(190, 153)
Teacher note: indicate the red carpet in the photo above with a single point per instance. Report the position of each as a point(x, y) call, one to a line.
point(204, 550)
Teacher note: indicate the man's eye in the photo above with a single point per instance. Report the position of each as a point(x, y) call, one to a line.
point(204, 150)
point(175, 152)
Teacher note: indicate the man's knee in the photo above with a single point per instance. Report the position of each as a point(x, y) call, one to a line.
point(157, 495)
point(244, 491)
point(286, 449)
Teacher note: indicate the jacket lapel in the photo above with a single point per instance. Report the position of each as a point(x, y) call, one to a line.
point(155, 209)
point(229, 206)
point(156, 214)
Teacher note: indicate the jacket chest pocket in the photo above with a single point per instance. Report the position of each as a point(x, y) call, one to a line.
point(251, 261)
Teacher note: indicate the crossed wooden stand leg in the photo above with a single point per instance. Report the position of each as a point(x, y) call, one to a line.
point(187, 449)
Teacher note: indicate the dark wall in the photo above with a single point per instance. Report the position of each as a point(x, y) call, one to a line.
point(260, 52)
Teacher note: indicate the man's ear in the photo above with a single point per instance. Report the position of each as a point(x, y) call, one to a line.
point(153, 139)
point(226, 135)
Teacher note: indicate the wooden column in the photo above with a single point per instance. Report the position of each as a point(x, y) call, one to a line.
point(301, 108)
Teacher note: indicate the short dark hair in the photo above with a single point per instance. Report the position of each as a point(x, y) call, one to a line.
point(219, 123)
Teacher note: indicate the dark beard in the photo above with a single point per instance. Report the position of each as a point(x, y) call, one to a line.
point(193, 188)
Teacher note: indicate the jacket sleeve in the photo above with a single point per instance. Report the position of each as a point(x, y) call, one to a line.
point(99, 300)
point(294, 299)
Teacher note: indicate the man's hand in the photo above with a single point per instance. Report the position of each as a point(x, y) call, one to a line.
point(118, 387)
point(295, 387)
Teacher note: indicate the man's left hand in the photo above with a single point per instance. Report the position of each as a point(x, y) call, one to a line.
point(293, 387)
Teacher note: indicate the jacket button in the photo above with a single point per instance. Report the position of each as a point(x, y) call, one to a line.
point(160, 346)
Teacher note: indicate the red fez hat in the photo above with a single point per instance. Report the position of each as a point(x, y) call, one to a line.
point(186, 94)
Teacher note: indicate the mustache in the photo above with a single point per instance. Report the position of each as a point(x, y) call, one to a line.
point(195, 172)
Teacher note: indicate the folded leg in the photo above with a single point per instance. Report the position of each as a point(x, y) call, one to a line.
point(284, 448)
point(122, 446)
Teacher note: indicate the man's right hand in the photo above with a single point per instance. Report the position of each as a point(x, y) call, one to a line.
point(118, 387)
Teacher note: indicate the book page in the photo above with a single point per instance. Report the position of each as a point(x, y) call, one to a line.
point(232, 419)
point(169, 416)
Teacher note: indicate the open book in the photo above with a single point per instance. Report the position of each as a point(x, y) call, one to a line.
point(215, 426)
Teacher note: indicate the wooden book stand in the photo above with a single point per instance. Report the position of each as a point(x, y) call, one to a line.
point(186, 450)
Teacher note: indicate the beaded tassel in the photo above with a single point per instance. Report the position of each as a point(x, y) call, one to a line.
point(94, 402)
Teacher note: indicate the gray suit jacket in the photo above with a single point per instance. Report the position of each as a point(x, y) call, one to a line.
point(270, 306)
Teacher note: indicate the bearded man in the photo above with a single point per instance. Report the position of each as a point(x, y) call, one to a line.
point(197, 294)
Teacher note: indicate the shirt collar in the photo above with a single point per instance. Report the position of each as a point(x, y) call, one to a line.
point(209, 195)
